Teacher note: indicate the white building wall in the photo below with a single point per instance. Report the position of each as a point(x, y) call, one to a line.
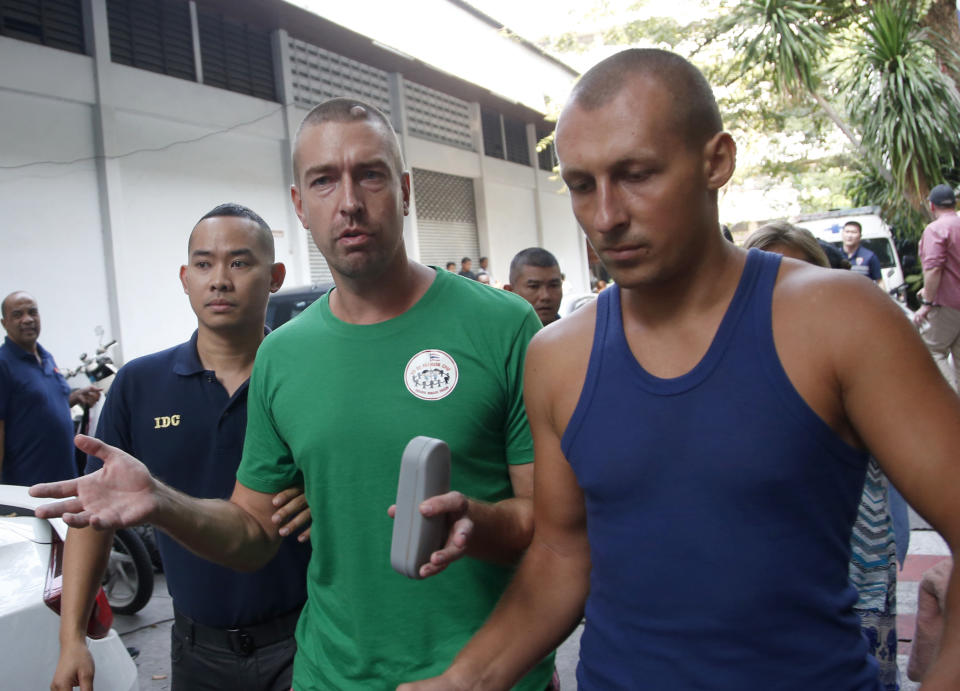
point(562, 235)
point(50, 238)
point(163, 195)
point(174, 150)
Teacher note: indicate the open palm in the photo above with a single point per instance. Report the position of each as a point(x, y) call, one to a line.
point(120, 494)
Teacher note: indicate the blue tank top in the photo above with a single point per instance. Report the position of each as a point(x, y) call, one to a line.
point(719, 510)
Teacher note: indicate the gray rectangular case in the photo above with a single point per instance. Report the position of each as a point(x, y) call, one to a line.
point(424, 473)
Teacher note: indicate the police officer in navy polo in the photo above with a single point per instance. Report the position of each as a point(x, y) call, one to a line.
point(36, 430)
point(862, 260)
point(184, 412)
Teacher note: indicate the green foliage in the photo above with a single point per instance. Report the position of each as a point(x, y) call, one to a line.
point(905, 108)
point(783, 38)
point(814, 68)
point(663, 32)
point(872, 70)
point(866, 188)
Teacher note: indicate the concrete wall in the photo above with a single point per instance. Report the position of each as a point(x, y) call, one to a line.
point(99, 241)
point(50, 239)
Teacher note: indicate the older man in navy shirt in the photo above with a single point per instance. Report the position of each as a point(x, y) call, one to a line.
point(36, 430)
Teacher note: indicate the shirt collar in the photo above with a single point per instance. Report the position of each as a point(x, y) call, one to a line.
point(25, 354)
point(187, 359)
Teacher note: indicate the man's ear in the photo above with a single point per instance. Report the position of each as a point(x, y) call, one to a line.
point(183, 278)
point(719, 160)
point(508, 288)
point(298, 205)
point(405, 191)
point(277, 273)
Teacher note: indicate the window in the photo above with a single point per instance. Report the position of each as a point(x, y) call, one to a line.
point(515, 133)
point(492, 134)
point(236, 56)
point(152, 35)
point(504, 137)
point(546, 158)
point(53, 23)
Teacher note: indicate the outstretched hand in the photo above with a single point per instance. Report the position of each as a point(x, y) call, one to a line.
point(121, 494)
point(453, 505)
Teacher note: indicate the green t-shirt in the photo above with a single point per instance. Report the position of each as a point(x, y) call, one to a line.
point(336, 403)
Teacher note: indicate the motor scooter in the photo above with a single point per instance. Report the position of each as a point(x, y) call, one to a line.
point(128, 580)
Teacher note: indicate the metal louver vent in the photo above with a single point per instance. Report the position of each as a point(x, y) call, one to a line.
point(442, 197)
point(446, 217)
point(319, 74)
point(236, 56)
point(515, 132)
point(152, 35)
point(436, 116)
point(53, 23)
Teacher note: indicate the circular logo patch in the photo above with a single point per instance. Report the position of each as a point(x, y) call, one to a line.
point(430, 375)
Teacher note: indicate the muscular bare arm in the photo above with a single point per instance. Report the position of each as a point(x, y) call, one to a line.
point(85, 558)
point(918, 452)
point(238, 533)
point(876, 384)
point(546, 597)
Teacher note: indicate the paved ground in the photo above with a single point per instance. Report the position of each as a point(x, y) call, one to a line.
point(149, 630)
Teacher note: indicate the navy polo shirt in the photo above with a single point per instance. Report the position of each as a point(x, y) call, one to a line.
point(34, 407)
point(864, 262)
point(172, 414)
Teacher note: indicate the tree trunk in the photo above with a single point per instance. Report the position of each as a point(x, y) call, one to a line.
point(942, 19)
point(857, 144)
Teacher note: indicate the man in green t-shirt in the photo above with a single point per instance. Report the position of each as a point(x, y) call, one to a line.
point(393, 352)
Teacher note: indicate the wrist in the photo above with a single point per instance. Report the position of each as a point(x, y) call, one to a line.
point(165, 504)
point(72, 635)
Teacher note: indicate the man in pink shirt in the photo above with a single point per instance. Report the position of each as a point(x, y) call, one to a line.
point(939, 316)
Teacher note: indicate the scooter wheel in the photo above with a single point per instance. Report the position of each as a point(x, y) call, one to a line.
point(128, 581)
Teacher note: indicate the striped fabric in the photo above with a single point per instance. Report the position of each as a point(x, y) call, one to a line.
point(873, 572)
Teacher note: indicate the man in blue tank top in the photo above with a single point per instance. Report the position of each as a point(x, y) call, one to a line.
point(701, 430)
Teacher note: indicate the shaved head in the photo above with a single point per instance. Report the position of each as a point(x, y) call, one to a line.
point(694, 105)
point(11, 297)
point(264, 235)
point(347, 110)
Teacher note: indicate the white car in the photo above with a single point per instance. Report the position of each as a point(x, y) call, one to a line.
point(875, 236)
point(31, 558)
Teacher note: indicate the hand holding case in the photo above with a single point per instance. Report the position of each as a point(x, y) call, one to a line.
point(424, 473)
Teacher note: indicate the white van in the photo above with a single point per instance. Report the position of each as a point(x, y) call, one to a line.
point(876, 237)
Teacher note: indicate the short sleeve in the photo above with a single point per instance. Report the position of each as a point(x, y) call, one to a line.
point(933, 248)
point(268, 464)
point(114, 425)
point(517, 433)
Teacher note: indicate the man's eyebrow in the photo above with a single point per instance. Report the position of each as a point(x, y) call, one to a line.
point(243, 251)
point(318, 168)
point(374, 162)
